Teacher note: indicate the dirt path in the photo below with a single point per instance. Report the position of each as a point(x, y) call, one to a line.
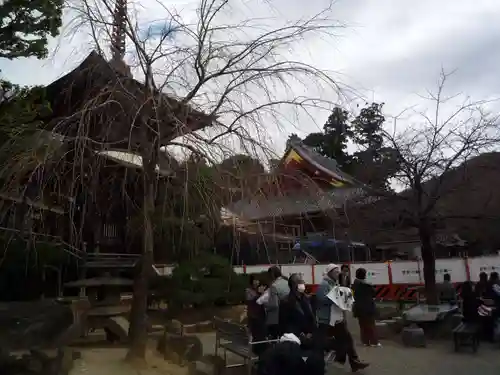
point(436, 359)
point(110, 361)
point(392, 359)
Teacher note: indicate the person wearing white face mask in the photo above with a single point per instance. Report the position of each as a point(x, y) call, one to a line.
point(297, 315)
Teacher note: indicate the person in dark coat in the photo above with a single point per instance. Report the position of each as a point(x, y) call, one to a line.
point(287, 358)
point(492, 294)
point(482, 285)
point(256, 314)
point(298, 324)
point(470, 304)
point(364, 308)
point(297, 314)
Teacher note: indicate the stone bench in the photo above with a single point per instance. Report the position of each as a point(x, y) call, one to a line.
point(466, 334)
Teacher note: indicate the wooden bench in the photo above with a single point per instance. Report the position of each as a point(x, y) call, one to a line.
point(466, 334)
point(234, 338)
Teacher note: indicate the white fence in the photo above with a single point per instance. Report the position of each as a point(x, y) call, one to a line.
point(396, 272)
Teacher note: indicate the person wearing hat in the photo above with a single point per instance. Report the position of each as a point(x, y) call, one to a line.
point(331, 320)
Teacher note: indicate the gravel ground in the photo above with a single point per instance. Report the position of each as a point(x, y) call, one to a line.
point(394, 359)
point(436, 359)
point(391, 359)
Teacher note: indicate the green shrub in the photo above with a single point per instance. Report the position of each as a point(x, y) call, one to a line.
point(208, 280)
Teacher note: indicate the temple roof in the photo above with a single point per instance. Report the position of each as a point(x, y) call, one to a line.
point(304, 182)
point(296, 203)
point(100, 102)
point(298, 153)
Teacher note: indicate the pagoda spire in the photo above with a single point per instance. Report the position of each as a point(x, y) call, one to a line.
point(118, 37)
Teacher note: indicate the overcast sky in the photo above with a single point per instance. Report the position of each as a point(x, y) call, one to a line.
point(390, 50)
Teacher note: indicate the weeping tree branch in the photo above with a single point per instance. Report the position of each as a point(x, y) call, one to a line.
point(213, 86)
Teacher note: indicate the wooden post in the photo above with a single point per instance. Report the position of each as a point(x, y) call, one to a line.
point(83, 270)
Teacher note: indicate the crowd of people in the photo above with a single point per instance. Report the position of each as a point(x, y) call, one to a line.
point(481, 304)
point(279, 308)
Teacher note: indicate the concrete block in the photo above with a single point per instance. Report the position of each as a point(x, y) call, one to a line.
point(414, 336)
point(383, 329)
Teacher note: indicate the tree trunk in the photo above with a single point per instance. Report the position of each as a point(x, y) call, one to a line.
point(429, 260)
point(138, 332)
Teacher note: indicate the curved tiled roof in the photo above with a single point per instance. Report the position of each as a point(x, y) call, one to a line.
point(294, 203)
point(325, 164)
point(81, 97)
point(332, 187)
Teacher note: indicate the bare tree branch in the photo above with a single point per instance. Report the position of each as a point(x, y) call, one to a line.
point(214, 86)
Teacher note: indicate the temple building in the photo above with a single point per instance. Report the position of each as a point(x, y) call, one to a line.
point(78, 190)
point(303, 200)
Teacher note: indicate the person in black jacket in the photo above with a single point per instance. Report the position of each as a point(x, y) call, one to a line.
point(287, 358)
point(482, 285)
point(493, 294)
point(297, 318)
point(364, 308)
point(470, 303)
point(297, 315)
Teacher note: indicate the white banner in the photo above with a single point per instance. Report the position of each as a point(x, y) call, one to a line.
point(342, 297)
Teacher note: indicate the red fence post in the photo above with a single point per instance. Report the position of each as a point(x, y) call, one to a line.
point(389, 274)
point(467, 268)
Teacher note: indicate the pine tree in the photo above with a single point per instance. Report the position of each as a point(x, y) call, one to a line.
point(332, 142)
point(26, 26)
point(374, 163)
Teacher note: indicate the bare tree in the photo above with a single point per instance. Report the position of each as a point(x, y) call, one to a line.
point(452, 132)
point(230, 78)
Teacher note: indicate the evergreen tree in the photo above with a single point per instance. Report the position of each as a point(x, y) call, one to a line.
point(26, 26)
point(332, 142)
point(24, 31)
point(374, 163)
point(367, 127)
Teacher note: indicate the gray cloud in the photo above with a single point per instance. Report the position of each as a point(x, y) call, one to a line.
point(390, 49)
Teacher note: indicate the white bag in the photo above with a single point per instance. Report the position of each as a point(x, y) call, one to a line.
point(336, 315)
point(263, 298)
